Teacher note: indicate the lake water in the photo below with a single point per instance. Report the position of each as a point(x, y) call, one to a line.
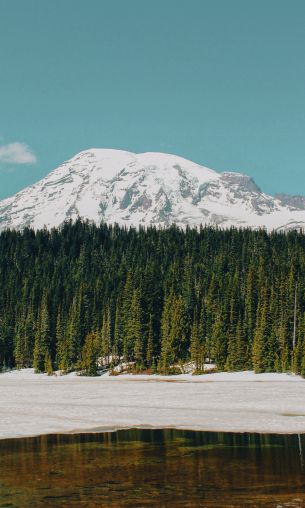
point(153, 468)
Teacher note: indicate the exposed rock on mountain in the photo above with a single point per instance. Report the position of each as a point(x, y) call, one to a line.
point(149, 188)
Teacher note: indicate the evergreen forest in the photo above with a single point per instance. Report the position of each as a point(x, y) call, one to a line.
point(85, 296)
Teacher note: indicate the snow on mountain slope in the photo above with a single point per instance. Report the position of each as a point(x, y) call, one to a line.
point(148, 188)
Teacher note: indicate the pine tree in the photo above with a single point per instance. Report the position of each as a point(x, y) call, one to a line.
point(174, 329)
point(118, 335)
point(150, 343)
point(24, 339)
point(19, 350)
point(48, 367)
point(166, 353)
point(302, 346)
point(302, 370)
point(42, 337)
point(105, 337)
point(134, 331)
point(261, 335)
point(62, 357)
point(89, 356)
point(219, 341)
point(236, 355)
point(72, 337)
point(197, 348)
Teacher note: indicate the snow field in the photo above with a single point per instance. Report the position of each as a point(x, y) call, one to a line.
point(34, 404)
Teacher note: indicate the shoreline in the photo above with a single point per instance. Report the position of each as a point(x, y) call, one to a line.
point(33, 405)
point(97, 431)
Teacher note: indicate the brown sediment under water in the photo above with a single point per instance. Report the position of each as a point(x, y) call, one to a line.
point(153, 468)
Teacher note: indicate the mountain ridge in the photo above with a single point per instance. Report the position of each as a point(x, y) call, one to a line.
point(151, 188)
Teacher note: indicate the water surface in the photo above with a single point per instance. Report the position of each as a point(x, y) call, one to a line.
point(153, 468)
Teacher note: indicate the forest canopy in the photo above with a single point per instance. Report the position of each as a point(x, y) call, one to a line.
point(154, 297)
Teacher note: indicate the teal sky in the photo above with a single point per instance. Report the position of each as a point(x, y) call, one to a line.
point(221, 82)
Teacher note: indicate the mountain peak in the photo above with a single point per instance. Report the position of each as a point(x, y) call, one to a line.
point(147, 188)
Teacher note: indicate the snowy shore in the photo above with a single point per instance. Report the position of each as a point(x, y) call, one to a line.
point(33, 404)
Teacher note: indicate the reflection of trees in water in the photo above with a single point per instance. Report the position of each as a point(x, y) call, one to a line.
point(141, 467)
point(301, 452)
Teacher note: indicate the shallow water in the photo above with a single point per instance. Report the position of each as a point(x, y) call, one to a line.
point(153, 468)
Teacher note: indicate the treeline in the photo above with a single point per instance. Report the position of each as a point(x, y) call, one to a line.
point(72, 296)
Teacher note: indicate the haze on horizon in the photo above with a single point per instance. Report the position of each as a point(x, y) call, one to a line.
point(220, 83)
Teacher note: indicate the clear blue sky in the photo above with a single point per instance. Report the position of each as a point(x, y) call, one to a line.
point(221, 82)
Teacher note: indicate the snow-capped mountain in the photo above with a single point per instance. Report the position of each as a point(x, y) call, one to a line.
point(147, 188)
